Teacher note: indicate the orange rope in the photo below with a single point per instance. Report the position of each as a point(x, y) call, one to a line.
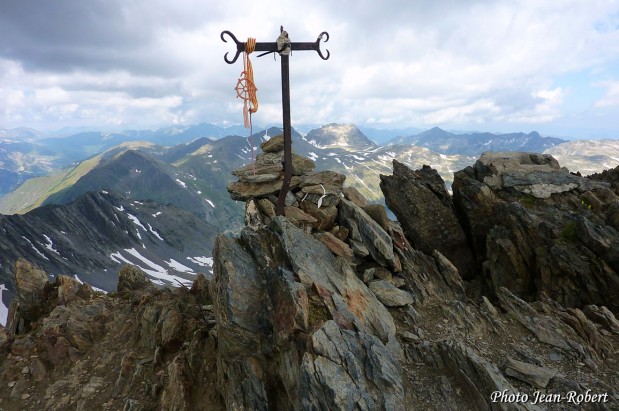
point(246, 89)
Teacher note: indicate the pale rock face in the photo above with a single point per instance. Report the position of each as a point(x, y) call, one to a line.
point(539, 175)
point(546, 190)
point(338, 135)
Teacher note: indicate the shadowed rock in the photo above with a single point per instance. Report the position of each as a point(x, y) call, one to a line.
point(425, 210)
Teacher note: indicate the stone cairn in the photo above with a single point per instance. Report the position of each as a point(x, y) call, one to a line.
point(339, 217)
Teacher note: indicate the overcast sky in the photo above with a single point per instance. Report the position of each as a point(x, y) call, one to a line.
point(514, 65)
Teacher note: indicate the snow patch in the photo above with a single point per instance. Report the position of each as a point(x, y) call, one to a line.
point(4, 310)
point(315, 144)
point(175, 265)
point(157, 213)
point(137, 222)
point(210, 202)
point(35, 249)
point(152, 230)
point(202, 261)
point(121, 208)
point(155, 270)
point(118, 258)
point(50, 245)
point(181, 183)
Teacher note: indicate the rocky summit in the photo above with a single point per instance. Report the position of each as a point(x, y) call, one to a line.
point(502, 296)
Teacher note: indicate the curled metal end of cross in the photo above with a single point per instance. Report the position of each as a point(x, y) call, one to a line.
point(239, 46)
point(322, 36)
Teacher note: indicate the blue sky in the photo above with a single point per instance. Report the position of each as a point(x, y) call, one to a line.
point(484, 65)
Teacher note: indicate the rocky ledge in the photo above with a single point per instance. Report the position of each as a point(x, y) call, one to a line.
point(335, 307)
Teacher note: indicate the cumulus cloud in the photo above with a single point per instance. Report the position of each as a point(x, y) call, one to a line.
point(440, 62)
point(611, 97)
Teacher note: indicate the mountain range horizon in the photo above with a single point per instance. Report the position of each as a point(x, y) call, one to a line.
point(378, 134)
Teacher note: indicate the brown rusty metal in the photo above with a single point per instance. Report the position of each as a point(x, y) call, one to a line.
point(285, 69)
point(281, 199)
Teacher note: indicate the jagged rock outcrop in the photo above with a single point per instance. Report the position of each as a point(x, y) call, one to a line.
point(142, 348)
point(289, 311)
point(340, 311)
point(537, 229)
point(425, 210)
point(458, 353)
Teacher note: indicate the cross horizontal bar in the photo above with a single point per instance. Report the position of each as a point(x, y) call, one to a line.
point(272, 46)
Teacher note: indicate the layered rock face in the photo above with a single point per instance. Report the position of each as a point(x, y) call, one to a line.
point(335, 307)
point(302, 299)
point(517, 220)
point(538, 230)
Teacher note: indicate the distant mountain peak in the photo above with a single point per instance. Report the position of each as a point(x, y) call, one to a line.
point(339, 135)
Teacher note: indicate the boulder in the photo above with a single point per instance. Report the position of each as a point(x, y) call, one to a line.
point(298, 217)
point(273, 145)
point(243, 191)
point(352, 194)
point(300, 165)
point(349, 370)
point(258, 169)
point(390, 295)
point(377, 241)
point(325, 216)
point(69, 289)
point(31, 287)
point(323, 177)
point(530, 173)
point(378, 214)
point(336, 246)
point(131, 278)
point(533, 375)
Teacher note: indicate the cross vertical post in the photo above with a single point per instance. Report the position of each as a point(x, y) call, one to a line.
point(284, 49)
point(281, 200)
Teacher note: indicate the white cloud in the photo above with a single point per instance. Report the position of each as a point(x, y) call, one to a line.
point(611, 98)
point(416, 63)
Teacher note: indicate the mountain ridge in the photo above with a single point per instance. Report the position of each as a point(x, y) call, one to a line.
point(93, 234)
point(446, 142)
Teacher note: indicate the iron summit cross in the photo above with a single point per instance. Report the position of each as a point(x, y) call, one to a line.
point(283, 46)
